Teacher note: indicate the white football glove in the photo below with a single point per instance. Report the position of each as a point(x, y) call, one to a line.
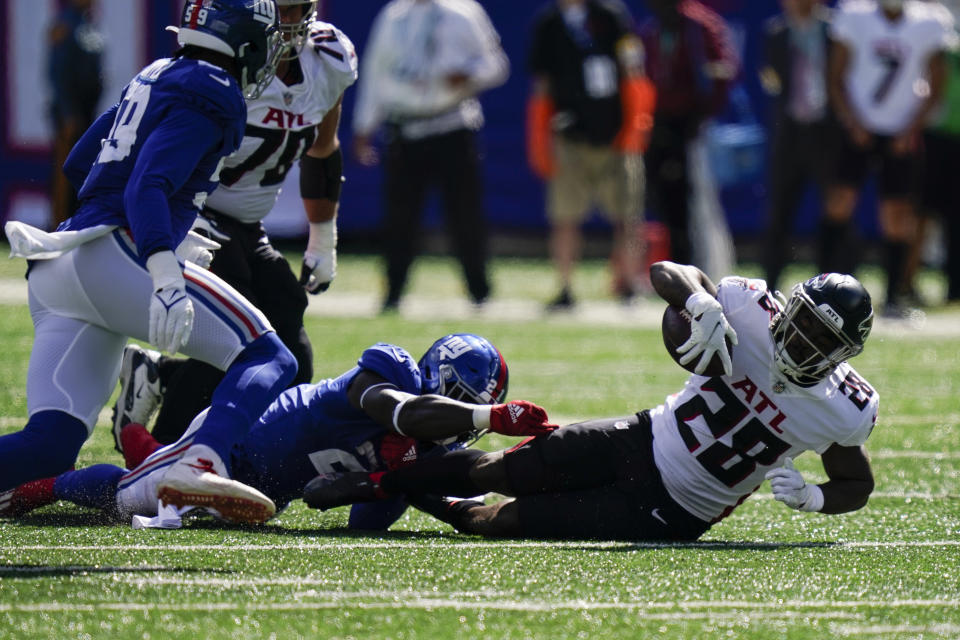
point(319, 266)
point(197, 249)
point(171, 312)
point(208, 228)
point(791, 489)
point(708, 330)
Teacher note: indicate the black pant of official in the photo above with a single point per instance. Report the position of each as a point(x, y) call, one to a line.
point(450, 162)
point(252, 266)
point(801, 156)
point(668, 179)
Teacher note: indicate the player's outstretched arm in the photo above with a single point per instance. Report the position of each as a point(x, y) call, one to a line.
point(851, 479)
point(436, 417)
point(849, 487)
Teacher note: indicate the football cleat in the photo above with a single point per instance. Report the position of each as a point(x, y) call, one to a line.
point(140, 391)
point(199, 479)
point(27, 497)
point(335, 489)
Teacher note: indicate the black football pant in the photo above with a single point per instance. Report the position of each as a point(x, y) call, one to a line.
point(250, 264)
point(451, 163)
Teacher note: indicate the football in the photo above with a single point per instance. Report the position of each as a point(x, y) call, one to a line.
point(676, 330)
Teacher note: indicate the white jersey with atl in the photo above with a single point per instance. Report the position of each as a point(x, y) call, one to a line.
point(886, 81)
point(715, 440)
point(282, 125)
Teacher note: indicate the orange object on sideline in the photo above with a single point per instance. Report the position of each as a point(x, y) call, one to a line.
point(638, 97)
point(540, 135)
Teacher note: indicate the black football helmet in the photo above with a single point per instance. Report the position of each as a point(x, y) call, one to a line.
point(245, 30)
point(825, 321)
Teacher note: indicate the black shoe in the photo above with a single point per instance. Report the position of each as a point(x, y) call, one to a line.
point(329, 490)
point(390, 305)
point(563, 301)
point(449, 510)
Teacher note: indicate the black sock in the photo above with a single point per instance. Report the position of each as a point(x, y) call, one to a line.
point(894, 262)
point(448, 474)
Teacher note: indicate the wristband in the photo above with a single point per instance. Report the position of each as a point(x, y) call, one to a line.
point(481, 416)
point(815, 500)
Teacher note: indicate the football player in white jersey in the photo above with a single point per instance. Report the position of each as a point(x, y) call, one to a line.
point(671, 472)
point(296, 118)
point(886, 76)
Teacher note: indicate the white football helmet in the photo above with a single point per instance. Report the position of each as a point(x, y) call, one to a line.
point(295, 33)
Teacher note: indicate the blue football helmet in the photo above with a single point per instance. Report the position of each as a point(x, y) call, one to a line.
point(245, 30)
point(466, 367)
point(825, 321)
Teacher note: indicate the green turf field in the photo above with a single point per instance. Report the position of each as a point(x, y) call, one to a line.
point(891, 570)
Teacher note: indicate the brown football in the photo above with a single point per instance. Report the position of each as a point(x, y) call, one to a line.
point(676, 330)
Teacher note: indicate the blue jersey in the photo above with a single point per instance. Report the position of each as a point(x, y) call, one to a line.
point(150, 161)
point(313, 428)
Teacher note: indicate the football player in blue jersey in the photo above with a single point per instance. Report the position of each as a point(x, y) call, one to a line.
point(294, 120)
point(110, 272)
point(386, 413)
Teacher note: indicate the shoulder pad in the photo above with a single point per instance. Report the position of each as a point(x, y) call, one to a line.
point(394, 364)
point(333, 47)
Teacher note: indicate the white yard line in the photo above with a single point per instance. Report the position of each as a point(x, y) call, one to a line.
point(952, 630)
point(432, 545)
point(652, 610)
point(646, 313)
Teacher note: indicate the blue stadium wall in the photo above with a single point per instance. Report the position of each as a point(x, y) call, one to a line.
point(514, 197)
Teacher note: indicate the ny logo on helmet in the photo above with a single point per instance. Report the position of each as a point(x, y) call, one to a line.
point(265, 11)
point(453, 348)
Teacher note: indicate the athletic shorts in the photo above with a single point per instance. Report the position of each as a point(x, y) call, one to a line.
point(897, 175)
point(588, 177)
point(596, 480)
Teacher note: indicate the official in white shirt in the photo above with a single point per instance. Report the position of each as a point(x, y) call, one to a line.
point(425, 63)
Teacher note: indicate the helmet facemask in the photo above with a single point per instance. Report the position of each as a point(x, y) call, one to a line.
point(808, 341)
point(254, 87)
point(453, 386)
point(295, 34)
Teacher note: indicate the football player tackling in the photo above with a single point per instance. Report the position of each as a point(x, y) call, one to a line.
point(295, 119)
point(385, 413)
point(143, 169)
point(671, 472)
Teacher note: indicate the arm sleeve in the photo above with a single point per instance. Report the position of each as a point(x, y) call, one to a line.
point(163, 165)
point(84, 153)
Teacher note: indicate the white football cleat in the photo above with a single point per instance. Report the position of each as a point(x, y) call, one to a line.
point(200, 479)
point(140, 391)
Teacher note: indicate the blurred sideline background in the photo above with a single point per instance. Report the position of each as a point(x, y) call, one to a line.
point(135, 35)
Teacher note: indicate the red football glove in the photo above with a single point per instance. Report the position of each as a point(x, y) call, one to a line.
point(519, 418)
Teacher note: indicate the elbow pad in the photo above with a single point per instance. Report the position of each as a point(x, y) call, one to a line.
point(322, 178)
